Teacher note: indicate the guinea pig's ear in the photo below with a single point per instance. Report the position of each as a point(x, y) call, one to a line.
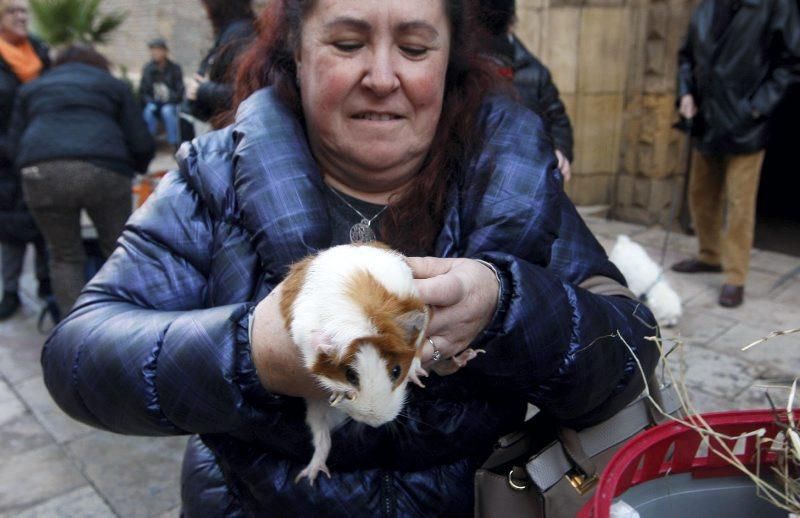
point(322, 342)
point(413, 323)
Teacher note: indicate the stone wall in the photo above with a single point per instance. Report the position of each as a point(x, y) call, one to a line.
point(613, 61)
point(653, 153)
point(182, 23)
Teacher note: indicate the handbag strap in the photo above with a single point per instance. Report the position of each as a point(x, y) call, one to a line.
point(602, 285)
point(581, 462)
point(624, 424)
point(574, 450)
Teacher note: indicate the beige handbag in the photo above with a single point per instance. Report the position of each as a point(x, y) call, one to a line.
point(523, 479)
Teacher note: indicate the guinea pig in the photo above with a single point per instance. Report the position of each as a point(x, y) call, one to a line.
point(356, 317)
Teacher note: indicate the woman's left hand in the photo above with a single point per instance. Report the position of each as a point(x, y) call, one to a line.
point(463, 295)
point(563, 165)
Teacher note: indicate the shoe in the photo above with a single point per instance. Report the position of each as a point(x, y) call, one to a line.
point(9, 305)
point(731, 296)
point(45, 289)
point(695, 266)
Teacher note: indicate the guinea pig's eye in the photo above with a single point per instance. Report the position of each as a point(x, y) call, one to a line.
point(352, 376)
point(396, 372)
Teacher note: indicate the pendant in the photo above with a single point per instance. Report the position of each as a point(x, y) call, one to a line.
point(361, 233)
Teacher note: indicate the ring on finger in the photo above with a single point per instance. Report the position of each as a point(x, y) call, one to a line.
point(437, 354)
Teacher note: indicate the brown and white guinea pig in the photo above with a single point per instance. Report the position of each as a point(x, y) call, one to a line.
point(358, 321)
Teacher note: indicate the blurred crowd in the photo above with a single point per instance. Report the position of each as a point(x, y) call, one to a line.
point(73, 137)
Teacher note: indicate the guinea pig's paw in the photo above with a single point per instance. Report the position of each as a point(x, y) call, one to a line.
point(415, 373)
point(311, 471)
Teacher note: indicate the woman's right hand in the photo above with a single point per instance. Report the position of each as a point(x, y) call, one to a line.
point(277, 359)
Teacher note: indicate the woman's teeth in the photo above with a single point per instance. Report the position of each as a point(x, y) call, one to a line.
point(376, 116)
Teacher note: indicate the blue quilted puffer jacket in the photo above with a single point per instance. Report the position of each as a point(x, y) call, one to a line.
point(158, 342)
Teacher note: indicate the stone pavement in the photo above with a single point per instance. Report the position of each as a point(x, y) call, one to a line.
point(54, 466)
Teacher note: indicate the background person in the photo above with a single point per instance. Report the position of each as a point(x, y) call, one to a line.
point(211, 89)
point(382, 104)
point(531, 79)
point(79, 138)
point(22, 59)
point(161, 90)
point(737, 61)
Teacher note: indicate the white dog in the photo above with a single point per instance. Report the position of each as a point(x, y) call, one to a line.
point(646, 279)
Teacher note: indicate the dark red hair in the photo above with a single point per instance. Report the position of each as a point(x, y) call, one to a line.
point(414, 218)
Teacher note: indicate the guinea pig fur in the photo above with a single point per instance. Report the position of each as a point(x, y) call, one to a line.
point(355, 315)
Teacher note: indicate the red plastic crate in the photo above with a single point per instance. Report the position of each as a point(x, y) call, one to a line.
point(672, 448)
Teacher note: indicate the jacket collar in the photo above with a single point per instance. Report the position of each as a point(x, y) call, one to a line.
point(277, 183)
point(40, 49)
point(279, 192)
point(738, 16)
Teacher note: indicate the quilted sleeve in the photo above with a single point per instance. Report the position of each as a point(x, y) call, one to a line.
point(551, 342)
point(562, 347)
point(138, 354)
point(555, 113)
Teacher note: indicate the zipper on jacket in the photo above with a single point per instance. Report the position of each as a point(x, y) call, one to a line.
point(387, 496)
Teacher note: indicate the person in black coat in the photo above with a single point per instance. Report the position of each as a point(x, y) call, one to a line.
point(22, 58)
point(531, 78)
point(78, 136)
point(161, 90)
point(210, 91)
point(737, 61)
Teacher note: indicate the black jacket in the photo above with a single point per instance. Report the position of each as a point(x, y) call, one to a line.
point(16, 222)
point(171, 75)
point(536, 89)
point(80, 112)
point(739, 79)
point(216, 95)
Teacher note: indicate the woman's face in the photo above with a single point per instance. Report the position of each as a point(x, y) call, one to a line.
point(372, 75)
point(14, 21)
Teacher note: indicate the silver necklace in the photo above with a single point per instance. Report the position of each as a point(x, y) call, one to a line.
point(361, 232)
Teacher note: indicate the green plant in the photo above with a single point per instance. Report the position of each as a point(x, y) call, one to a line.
point(61, 22)
point(124, 75)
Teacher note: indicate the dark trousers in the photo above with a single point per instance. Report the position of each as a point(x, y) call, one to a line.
point(13, 257)
point(55, 193)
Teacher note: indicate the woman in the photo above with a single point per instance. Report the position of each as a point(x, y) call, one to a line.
point(22, 59)
point(210, 91)
point(531, 78)
point(373, 103)
point(78, 137)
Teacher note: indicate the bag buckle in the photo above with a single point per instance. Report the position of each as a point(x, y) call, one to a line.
point(518, 481)
point(582, 482)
